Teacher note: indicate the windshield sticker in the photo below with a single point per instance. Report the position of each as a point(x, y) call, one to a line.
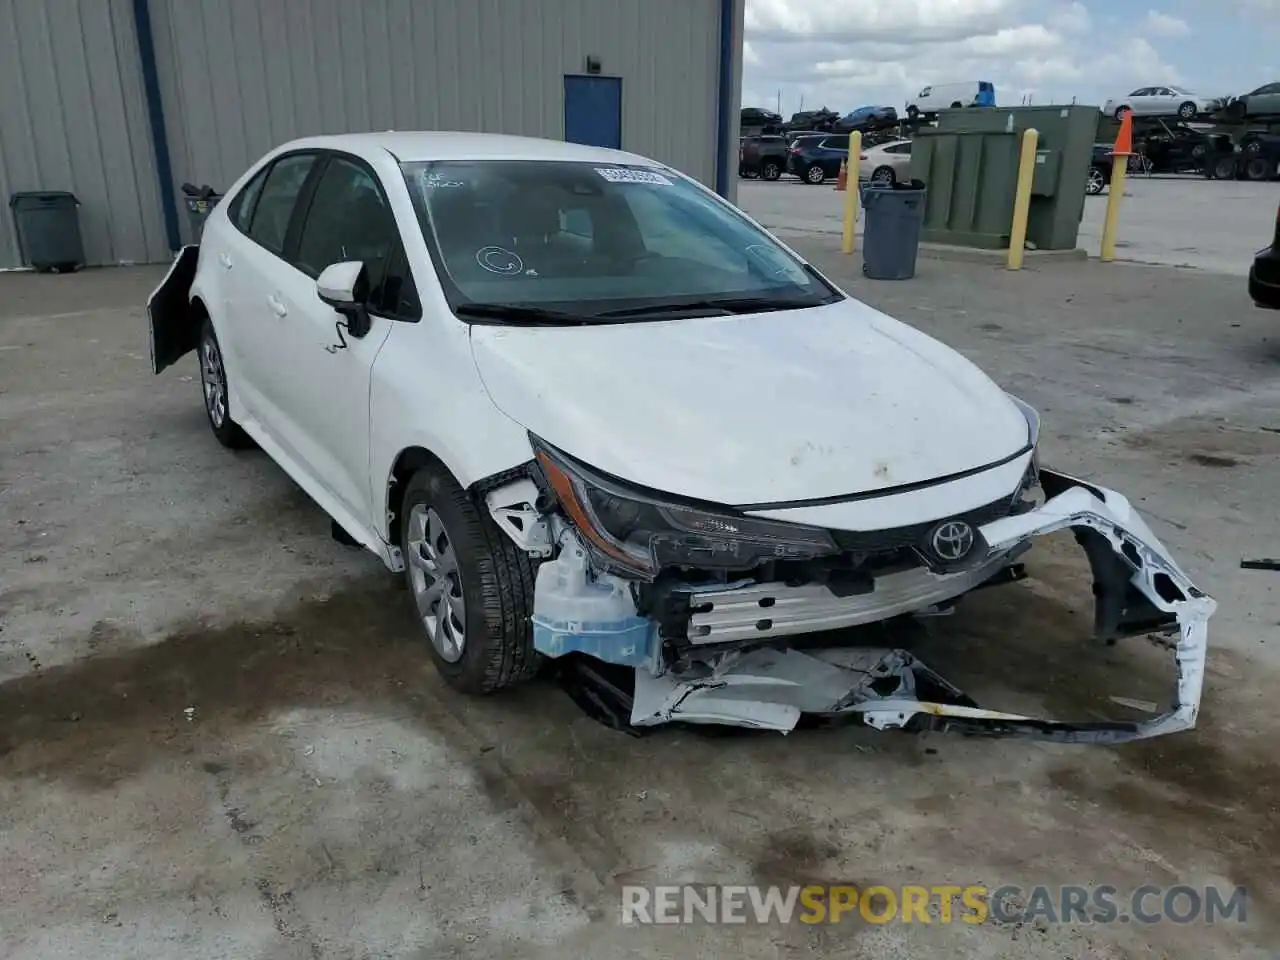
point(499, 260)
point(433, 181)
point(623, 175)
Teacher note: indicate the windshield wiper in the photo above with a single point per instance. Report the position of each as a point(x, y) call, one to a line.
point(724, 304)
point(526, 316)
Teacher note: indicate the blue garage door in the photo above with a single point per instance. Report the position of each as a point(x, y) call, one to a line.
point(593, 111)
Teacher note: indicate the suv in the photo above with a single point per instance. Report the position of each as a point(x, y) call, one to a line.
point(764, 157)
point(819, 120)
point(814, 159)
point(757, 120)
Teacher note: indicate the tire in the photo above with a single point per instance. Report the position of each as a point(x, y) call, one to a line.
point(815, 174)
point(1251, 147)
point(883, 175)
point(487, 588)
point(1120, 112)
point(217, 397)
point(1224, 168)
point(1187, 111)
point(770, 171)
point(1096, 182)
point(1259, 168)
point(913, 114)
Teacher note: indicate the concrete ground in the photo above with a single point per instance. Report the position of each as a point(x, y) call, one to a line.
point(1180, 221)
point(220, 735)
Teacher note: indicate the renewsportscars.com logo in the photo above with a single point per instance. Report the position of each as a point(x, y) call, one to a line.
point(940, 903)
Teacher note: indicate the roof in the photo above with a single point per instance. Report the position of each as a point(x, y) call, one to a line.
point(411, 145)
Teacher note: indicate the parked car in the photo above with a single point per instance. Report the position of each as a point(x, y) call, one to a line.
point(816, 159)
point(821, 121)
point(866, 119)
point(1162, 102)
point(764, 157)
point(1173, 147)
point(757, 117)
point(886, 162)
point(527, 374)
point(945, 96)
point(1264, 275)
point(1262, 102)
point(1099, 175)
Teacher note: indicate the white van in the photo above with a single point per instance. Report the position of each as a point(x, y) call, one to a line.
point(943, 96)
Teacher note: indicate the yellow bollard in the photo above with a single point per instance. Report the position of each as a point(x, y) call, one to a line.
point(1022, 199)
point(1119, 166)
point(852, 193)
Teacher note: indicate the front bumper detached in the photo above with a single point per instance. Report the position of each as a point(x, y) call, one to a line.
point(1138, 588)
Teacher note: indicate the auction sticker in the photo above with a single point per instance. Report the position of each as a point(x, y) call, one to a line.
point(625, 175)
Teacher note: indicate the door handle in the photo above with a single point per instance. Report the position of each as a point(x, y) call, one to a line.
point(277, 307)
point(225, 261)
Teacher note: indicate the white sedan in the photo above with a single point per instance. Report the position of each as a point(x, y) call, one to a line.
point(598, 416)
point(1162, 102)
point(886, 162)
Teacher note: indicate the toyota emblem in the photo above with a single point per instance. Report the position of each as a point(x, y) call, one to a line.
point(952, 540)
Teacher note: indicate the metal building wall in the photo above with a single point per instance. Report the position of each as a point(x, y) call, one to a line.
point(238, 77)
point(73, 117)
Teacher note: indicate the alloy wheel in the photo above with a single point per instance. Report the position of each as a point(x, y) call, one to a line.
point(437, 582)
point(213, 378)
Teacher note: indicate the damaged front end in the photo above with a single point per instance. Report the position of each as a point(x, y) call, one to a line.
point(706, 617)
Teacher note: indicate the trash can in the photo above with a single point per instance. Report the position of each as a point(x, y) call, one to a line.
point(198, 208)
point(891, 239)
point(48, 225)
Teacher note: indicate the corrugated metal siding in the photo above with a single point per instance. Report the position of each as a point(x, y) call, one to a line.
point(73, 117)
point(239, 77)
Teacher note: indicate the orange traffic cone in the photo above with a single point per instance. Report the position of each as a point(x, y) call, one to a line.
point(842, 181)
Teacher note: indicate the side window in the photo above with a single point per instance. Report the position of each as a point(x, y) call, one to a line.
point(348, 220)
point(837, 143)
point(926, 91)
point(242, 204)
point(274, 209)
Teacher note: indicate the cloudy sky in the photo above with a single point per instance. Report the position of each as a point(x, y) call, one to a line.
point(846, 53)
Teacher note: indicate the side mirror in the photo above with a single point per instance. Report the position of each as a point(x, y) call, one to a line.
point(345, 287)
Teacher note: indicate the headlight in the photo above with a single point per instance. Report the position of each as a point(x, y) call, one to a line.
point(1032, 416)
point(633, 532)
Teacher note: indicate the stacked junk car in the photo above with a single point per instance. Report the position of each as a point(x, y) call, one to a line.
point(674, 480)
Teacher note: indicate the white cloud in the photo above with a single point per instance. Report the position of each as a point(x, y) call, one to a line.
point(1164, 25)
point(845, 53)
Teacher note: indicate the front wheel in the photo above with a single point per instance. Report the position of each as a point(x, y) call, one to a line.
point(213, 384)
point(770, 171)
point(472, 587)
point(815, 174)
point(1096, 182)
point(883, 175)
point(913, 114)
point(1120, 112)
point(1187, 111)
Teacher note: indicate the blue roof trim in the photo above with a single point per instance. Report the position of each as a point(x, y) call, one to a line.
point(155, 113)
point(725, 112)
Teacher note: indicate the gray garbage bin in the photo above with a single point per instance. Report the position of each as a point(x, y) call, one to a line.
point(891, 239)
point(198, 209)
point(48, 225)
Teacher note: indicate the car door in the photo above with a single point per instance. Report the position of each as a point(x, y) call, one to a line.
point(251, 261)
point(899, 156)
point(1140, 101)
point(1265, 100)
point(327, 380)
point(835, 150)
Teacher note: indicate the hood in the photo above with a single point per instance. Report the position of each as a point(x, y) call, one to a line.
point(769, 408)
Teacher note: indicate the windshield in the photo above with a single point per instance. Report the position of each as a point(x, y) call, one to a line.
point(579, 241)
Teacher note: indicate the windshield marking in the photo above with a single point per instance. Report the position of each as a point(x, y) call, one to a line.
point(622, 175)
point(499, 260)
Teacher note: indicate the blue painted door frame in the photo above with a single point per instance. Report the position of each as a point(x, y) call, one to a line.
point(593, 110)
